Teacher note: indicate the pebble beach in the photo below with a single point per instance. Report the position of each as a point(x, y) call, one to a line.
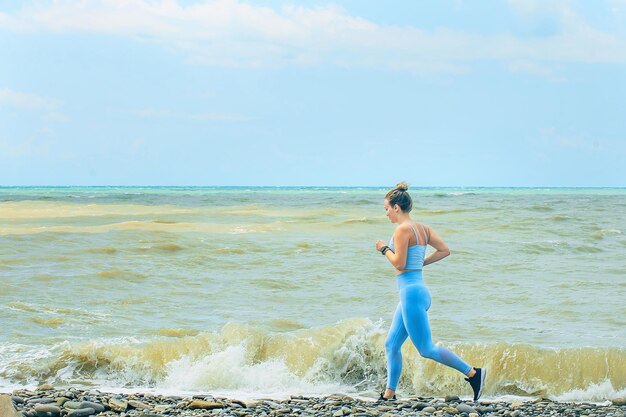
point(46, 401)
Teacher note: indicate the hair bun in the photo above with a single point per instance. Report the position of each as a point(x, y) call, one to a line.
point(402, 186)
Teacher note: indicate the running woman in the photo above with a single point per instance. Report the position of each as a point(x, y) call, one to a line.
point(406, 252)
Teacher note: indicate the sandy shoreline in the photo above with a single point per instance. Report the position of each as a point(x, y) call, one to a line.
point(49, 402)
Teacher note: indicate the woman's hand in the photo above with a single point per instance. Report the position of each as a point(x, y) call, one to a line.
point(380, 244)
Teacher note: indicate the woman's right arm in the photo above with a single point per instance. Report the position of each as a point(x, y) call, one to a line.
point(441, 249)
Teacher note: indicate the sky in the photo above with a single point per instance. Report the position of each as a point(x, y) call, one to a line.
point(337, 93)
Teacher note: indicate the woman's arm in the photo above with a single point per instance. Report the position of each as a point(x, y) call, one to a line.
point(401, 245)
point(441, 249)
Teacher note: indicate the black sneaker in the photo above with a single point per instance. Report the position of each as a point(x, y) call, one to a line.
point(477, 382)
point(382, 399)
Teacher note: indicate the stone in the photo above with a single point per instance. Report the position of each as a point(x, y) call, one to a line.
point(429, 410)
point(61, 400)
point(419, 406)
point(619, 401)
point(484, 410)
point(44, 400)
point(450, 410)
point(241, 403)
point(68, 394)
point(118, 404)
point(46, 410)
point(81, 412)
point(138, 405)
point(385, 408)
point(473, 415)
point(515, 413)
point(17, 400)
point(89, 404)
point(338, 413)
point(464, 408)
point(450, 398)
point(161, 408)
point(45, 387)
point(7, 409)
point(205, 405)
point(71, 405)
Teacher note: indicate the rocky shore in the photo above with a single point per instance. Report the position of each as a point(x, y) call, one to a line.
point(47, 401)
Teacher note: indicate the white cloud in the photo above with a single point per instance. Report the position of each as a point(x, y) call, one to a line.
point(160, 114)
point(32, 102)
point(11, 149)
point(21, 100)
point(55, 117)
point(575, 142)
point(233, 33)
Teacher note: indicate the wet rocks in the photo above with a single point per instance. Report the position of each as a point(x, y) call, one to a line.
point(81, 412)
point(204, 405)
point(118, 404)
point(138, 405)
point(6, 407)
point(47, 410)
point(90, 404)
point(464, 408)
point(75, 403)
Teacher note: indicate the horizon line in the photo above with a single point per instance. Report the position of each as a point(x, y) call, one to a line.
point(310, 186)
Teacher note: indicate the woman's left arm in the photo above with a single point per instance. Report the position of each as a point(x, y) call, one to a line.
point(441, 248)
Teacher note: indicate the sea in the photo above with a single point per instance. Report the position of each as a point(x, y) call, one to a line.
point(266, 292)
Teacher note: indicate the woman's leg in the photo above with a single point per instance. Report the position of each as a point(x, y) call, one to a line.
point(415, 302)
point(395, 339)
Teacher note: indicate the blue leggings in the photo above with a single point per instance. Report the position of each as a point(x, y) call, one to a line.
point(411, 320)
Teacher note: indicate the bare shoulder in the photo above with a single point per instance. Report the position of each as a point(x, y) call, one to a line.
point(403, 230)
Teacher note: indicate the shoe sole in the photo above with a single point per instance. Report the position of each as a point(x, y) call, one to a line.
point(483, 374)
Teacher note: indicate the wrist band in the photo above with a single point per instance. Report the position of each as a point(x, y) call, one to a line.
point(384, 249)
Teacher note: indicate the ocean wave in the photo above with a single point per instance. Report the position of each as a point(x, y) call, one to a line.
point(558, 246)
point(105, 249)
point(275, 283)
point(348, 356)
point(358, 220)
point(164, 247)
point(602, 233)
point(128, 276)
point(231, 251)
point(540, 208)
point(28, 209)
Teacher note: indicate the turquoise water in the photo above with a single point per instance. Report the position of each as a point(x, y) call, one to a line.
point(254, 291)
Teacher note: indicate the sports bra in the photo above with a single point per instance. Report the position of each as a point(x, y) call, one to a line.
point(416, 253)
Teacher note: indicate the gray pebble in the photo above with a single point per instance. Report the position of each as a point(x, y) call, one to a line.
point(89, 404)
point(47, 410)
point(118, 404)
point(71, 405)
point(419, 406)
point(45, 400)
point(483, 410)
point(82, 412)
point(464, 408)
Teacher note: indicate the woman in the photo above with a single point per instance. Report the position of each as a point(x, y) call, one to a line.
point(406, 252)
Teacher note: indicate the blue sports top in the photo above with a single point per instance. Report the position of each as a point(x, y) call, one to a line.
point(416, 253)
